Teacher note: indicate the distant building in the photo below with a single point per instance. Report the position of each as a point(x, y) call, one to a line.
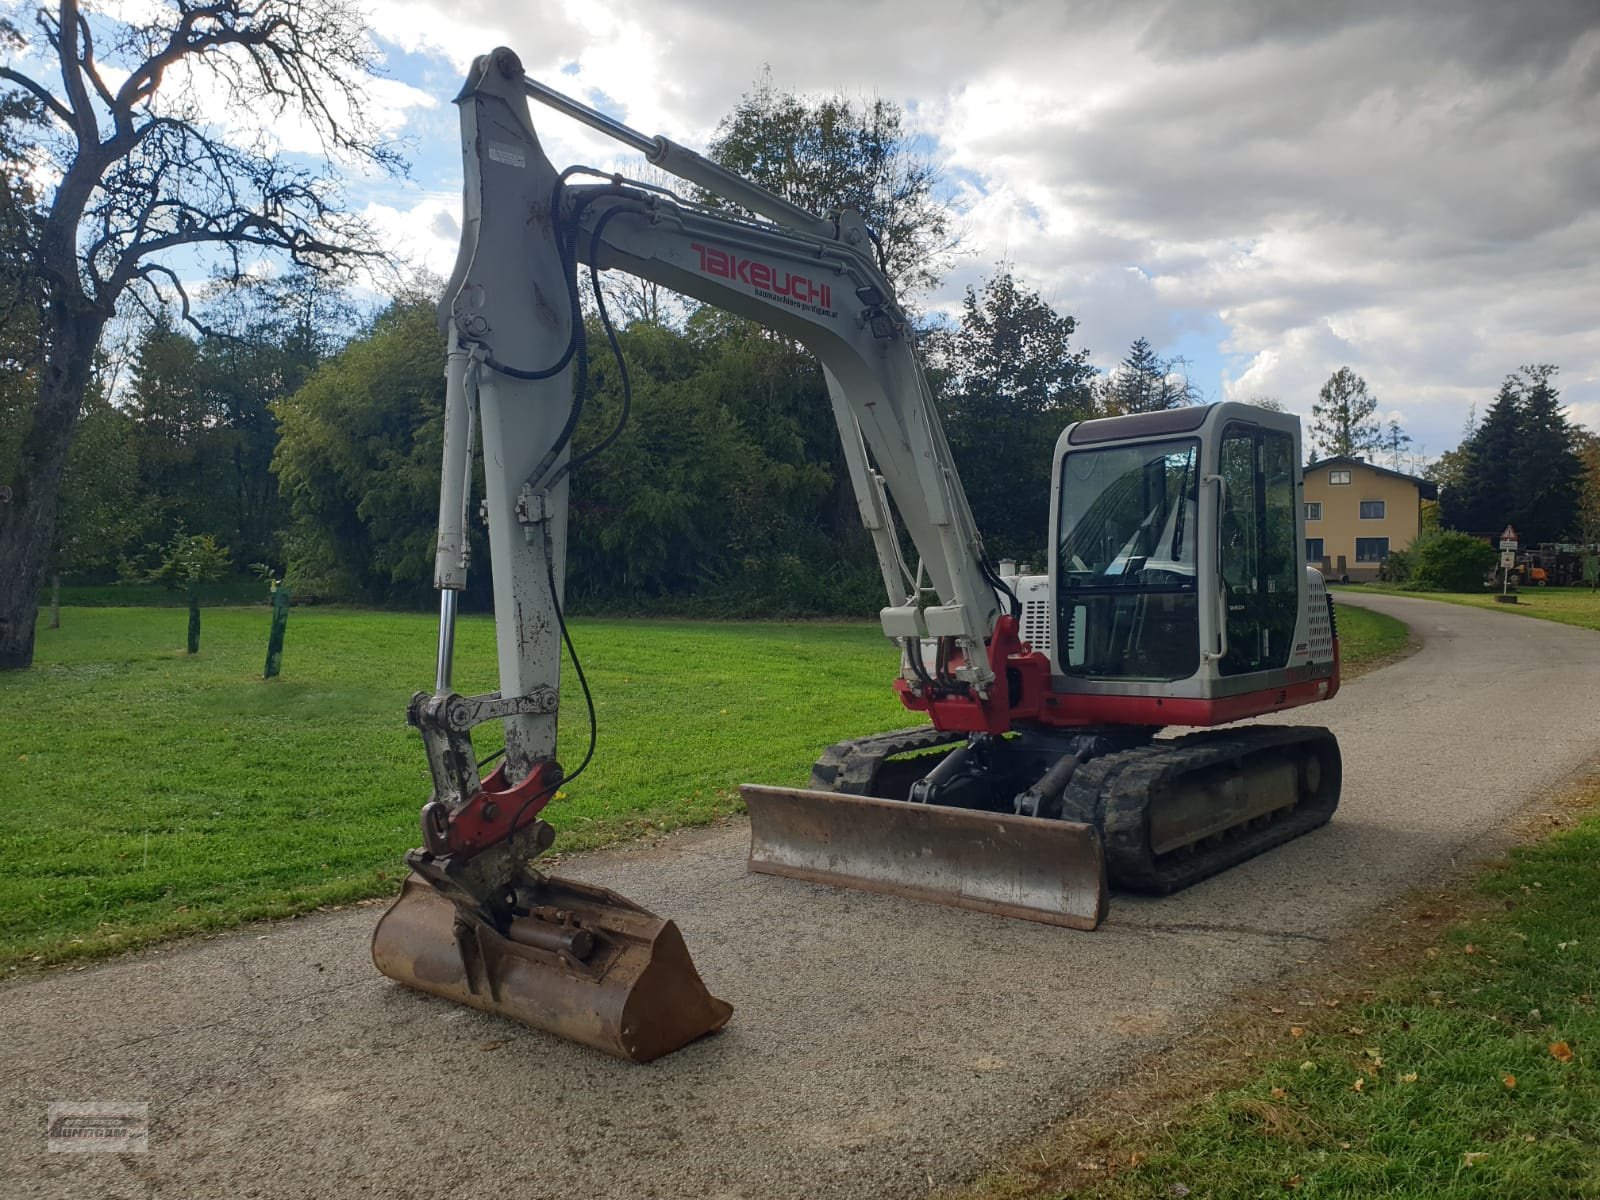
point(1357, 513)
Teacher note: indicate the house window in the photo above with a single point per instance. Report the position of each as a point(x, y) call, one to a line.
point(1372, 550)
point(1338, 476)
point(1314, 550)
point(1372, 510)
point(1313, 510)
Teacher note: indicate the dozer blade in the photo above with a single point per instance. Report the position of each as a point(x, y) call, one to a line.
point(1039, 870)
point(584, 964)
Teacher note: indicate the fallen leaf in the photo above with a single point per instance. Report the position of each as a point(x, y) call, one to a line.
point(1277, 1012)
point(1292, 1182)
point(1177, 1189)
point(1469, 948)
point(1358, 1084)
point(1344, 1145)
point(1535, 1014)
point(1137, 1157)
point(1409, 1078)
point(1296, 1031)
point(1510, 1081)
point(1280, 1093)
point(22, 758)
point(1354, 1030)
point(493, 1045)
point(1564, 945)
point(1472, 1156)
point(1333, 1002)
point(1561, 1052)
point(1308, 1065)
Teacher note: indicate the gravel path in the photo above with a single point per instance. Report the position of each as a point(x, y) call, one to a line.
point(877, 1046)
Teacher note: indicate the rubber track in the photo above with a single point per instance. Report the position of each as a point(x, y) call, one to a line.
point(1114, 792)
point(852, 767)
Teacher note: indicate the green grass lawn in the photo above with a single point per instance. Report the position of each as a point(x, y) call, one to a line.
point(1367, 639)
point(151, 794)
point(1570, 606)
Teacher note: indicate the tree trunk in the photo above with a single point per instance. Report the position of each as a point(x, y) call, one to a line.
point(28, 522)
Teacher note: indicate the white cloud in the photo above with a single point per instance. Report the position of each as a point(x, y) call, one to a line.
point(1407, 190)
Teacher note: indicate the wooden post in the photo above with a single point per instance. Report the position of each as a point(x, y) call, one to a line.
point(194, 617)
point(280, 621)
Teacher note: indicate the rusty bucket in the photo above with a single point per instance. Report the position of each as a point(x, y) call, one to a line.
point(1039, 870)
point(584, 963)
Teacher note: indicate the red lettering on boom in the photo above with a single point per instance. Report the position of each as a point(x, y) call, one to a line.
point(763, 277)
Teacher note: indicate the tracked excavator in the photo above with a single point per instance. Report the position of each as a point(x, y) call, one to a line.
point(1068, 734)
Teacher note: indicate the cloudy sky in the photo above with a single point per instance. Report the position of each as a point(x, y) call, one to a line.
point(1271, 190)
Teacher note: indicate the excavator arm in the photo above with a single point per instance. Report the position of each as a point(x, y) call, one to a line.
point(476, 913)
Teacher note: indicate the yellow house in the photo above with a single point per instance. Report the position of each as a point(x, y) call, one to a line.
point(1357, 512)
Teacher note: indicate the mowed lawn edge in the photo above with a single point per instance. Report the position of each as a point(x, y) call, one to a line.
point(1566, 606)
point(156, 795)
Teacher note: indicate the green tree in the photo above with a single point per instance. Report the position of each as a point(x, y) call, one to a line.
point(1145, 382)
point(186, 562)
point(1342, 421)
point(831, 153)
point(1009, 379)
point(358, 461)
point(1547, 473)
point(1481, 500)
point(1395, 441)
point(104, 509)
point(1588, 446)
point(140, 174)
point(1520, 465)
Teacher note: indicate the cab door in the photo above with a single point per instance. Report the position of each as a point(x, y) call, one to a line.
point(1258, 564)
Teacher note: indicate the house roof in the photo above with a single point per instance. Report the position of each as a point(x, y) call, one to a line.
point(1426, 488)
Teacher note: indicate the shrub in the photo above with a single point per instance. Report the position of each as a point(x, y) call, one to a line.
point(1450, 562)
point(1397, 568)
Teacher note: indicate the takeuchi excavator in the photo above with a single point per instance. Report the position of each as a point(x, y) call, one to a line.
point(1047, 765)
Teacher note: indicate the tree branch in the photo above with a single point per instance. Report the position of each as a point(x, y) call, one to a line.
point(66, 45)
point(57, 109)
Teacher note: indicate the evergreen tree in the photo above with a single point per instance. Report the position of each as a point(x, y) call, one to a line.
point(1519, 466)
point(1481, 499)
point(1395, 440)
point(1342, 418)
point(1546, 472)
point(1145, 382)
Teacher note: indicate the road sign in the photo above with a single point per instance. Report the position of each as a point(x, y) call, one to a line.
point(1508, 539)
point(1508, 559)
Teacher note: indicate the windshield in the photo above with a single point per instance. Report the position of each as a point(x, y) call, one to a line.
point(1128, 516)
point(1126, 604)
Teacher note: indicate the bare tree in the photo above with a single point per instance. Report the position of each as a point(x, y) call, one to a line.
point(159, 156)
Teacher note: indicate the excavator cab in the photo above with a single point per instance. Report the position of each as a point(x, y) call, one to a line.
point(1175, 597)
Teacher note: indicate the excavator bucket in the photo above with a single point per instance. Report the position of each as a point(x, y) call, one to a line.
point(584, 964)
point(1039, 870)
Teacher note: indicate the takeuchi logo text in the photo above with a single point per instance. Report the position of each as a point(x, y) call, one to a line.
point(767, 280)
